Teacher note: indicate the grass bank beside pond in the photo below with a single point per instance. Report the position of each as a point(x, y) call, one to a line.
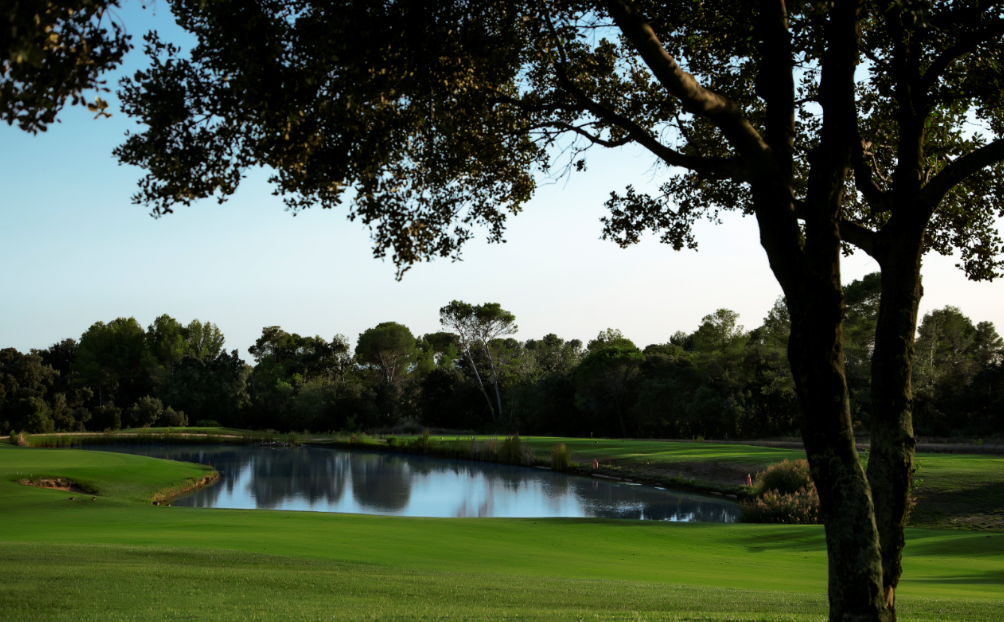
point(953, 491)
point(121, 559)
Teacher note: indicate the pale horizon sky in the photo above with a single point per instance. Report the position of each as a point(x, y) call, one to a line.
point(76, 251)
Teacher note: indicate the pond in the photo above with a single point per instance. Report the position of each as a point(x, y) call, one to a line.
point(322, 479)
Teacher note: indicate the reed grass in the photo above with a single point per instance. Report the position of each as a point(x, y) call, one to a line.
point(561, 457)
point(141, 436)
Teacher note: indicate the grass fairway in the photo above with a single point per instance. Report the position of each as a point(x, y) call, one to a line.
point(119, 558)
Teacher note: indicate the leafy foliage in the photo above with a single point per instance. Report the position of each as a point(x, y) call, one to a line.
point(783, 493)
point(54, 50)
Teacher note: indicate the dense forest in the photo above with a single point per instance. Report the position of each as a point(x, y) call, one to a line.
point(718, 381)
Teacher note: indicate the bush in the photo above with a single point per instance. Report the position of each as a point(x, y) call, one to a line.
point(410, 425)
point(207, 423)
point(171, 418)
point(106, 417)
point(510, 450)
point(561, 457)
point(798, 508)
point(392, 441)
point(783, 493)
point(145, 412)
point(423, 441)
point(513, 450)
point(785, 478)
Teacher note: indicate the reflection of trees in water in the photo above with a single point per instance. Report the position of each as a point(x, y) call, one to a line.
point(606, 500)
point(381, 482)
point(273, 476)
point(281, 475)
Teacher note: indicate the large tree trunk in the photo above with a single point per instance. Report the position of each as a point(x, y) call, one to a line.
point(809, 274)
point(816, 353)
point(890, 464)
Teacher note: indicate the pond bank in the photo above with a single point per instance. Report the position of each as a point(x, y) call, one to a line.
point(650, 475)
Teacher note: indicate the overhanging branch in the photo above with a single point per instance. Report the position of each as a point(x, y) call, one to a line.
point(858, 235)
point(731, 168)
point(993, 30)
point(696, 99)
point(959, 169)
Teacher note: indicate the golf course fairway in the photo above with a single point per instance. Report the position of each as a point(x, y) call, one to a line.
point(119, 558)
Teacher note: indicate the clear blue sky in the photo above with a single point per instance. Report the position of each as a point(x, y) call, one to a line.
point(75, 250)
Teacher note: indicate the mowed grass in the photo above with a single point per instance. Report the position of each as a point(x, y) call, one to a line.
point(118, 558)
point(666, 452)
point(953, 490)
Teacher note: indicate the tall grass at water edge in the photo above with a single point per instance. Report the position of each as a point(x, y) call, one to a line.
point(561, 457)
point(247, 437)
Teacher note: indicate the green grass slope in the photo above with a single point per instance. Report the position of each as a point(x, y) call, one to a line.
point(119, 558)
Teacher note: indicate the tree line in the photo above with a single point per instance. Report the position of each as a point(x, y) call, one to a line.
point(718, 381)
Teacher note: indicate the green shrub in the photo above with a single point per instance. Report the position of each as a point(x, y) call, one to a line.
point(509, 451)
point(392, 441)
point(512, 450)
point(423, 441)
point(784, 477)
point(798, 508)
point(207, 423)
point(783, 493)
point(561, 457)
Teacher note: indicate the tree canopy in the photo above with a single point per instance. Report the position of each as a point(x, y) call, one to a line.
point(389, 346)
point(53, 51)
point(836, 125)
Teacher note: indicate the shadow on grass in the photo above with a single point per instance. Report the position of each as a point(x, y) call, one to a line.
point(979, 504)
point(942, 545)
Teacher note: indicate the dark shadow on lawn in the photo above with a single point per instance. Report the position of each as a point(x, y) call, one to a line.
point(978, 505)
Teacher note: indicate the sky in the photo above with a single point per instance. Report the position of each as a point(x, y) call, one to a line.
point(75, 250)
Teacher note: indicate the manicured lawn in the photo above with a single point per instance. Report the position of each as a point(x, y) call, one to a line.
point(960, 490)
point(954, 490)
point(119, 558)
point(668, 453)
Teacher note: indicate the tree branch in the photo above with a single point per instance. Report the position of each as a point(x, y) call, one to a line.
point(775, 83)
point(594, 139)
point(696, 99)
point(830, 160)
point(863, 181)
point(959, 169)
point(859, 236)
point(553, 107)
point(730, 168)
point(972, 41)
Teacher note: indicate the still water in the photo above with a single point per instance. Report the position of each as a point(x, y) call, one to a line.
point(323, 479)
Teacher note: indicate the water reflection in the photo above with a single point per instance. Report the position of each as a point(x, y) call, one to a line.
point(335, 480)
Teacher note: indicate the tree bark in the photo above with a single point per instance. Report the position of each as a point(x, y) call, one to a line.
point(852, 539)
point(481, 385)
point(815, 301)
point(890, 464)
point(495, 377)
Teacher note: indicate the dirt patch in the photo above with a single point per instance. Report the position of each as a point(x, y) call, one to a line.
point(164, 497)
point(981, 507)
point(55, 483)
point(726, 474)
